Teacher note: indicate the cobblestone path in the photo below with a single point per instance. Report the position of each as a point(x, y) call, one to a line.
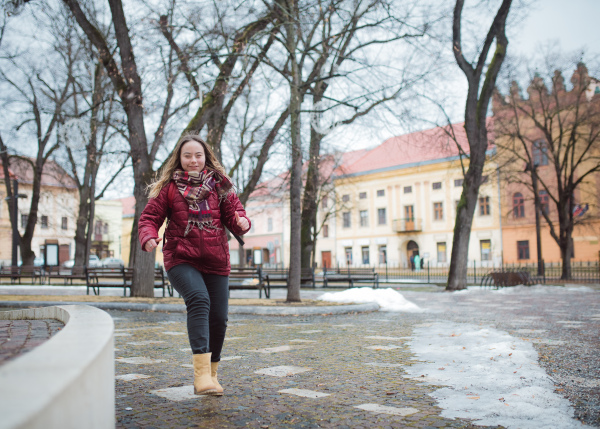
point(343, 371)
point(20, 336)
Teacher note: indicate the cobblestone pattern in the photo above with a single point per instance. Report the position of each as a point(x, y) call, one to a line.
point(338, 359)
point(20, 336)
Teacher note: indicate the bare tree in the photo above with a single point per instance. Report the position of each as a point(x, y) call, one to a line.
point(549, 143)
point(216, 106)
point(127, 83)
point(39, 99)
point(478, 99)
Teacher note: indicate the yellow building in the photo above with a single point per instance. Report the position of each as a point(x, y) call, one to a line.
point(398, 200)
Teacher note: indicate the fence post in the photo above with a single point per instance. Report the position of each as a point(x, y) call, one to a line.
point(474, 271)
point(386, 272)
point(544, 271)
point(428, 271)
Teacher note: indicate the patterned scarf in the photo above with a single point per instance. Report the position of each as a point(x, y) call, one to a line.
point(195, 188)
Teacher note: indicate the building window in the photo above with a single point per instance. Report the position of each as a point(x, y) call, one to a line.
point(346, 198)
point(436, 185)
point(324, 202)
point(441, 252)
point(362, 195)
point(381, 192)
point(408, 189)
point(348, 253)
point(365, 255)
point(364, 218)
point(438, 211)
point(383, 254)
point(64, 223)
point(346, 219)
point(24, 219)
point(539, 152)
point(518, 205)
point(44, 222)
point(325, 231)
point(270, 224)
point(381, 218)
point(458, 182)
point(523, 249)
point(484, 206)
point(486, 250)
point(544, 202)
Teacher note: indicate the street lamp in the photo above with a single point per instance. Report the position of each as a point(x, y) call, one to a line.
point(15, 226)
point(532, 167)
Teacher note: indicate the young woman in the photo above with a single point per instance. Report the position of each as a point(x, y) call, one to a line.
point(196, 195)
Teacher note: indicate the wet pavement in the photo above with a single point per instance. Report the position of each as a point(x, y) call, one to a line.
point(20, 336)
point(346, 371)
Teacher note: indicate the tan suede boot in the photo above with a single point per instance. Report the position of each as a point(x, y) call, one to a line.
point(203, 384)
point(213, 373)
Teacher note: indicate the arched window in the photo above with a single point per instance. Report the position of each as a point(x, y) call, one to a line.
point(518, 205)
point(539, 152)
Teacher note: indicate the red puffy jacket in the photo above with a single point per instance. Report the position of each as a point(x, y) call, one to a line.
point(206, 250)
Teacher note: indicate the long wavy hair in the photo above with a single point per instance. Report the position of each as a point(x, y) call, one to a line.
point(164, 176)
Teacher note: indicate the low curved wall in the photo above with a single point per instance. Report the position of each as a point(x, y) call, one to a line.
point(66, 382)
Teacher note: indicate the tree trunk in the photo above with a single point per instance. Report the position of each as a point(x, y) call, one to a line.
point(27, 253)
point(457, 275)
point(80, 230)
point(309, 203)
point(143, 262)
point(87, 189)
point(476, 106)
point(293, 294)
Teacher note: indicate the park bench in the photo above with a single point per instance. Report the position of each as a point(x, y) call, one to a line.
point(121, 277)
point(65, 274)
point(507, 278)
point(250, 278)
point(351, 276)
point(15, 274)
point(307, 275)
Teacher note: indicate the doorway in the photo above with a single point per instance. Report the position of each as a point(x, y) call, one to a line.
point(412, 250)
point(326, 259)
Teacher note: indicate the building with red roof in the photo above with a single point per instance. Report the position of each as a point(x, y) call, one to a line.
point(57, 210)
point(398, 200)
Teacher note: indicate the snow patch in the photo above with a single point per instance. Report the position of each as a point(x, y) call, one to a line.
point(387, 299)
point(490, 377)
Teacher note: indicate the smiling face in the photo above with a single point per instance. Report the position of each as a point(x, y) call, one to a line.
point(192, 156)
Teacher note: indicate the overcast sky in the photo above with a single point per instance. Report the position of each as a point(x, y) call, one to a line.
point(575, 24)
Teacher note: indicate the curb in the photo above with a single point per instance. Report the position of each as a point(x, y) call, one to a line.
point(180, 308)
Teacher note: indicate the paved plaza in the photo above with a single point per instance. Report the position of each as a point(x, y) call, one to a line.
point(377, 370)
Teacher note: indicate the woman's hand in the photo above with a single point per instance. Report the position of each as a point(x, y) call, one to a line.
point(242, 222)
point(152, 244)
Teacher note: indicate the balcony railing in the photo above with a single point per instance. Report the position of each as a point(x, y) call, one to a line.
point(407, 225)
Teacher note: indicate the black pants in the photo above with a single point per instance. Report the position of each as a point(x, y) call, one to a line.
point(206, 300)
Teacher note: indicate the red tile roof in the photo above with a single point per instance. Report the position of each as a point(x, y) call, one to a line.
point(52, 174)
point(414, 148)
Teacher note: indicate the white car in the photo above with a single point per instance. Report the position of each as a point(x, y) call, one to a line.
point(113, 263)
point(94, 262)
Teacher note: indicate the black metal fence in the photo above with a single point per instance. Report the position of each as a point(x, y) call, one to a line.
point(581, 272)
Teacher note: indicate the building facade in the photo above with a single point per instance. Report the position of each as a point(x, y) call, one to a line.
point(57, 210)
point(553, 131)
point(399, 200)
